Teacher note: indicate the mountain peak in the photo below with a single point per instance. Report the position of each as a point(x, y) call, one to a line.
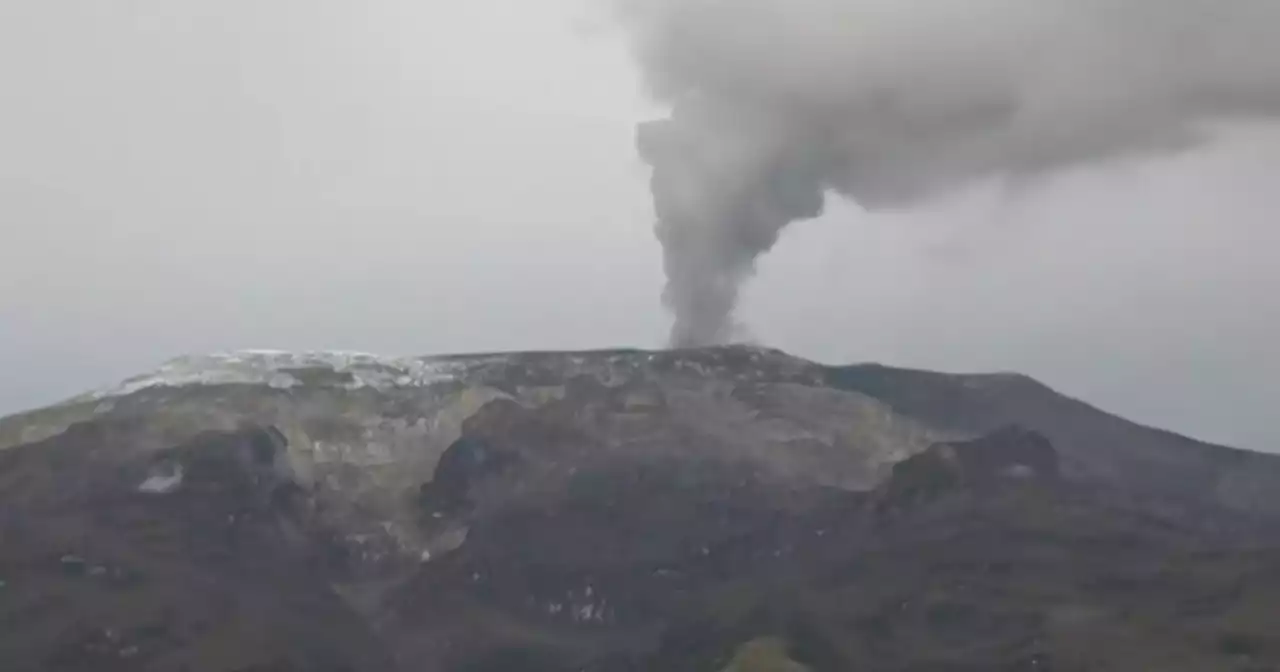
point(607, 510)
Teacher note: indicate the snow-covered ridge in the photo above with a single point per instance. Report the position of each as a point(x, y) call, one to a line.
point(283, 370)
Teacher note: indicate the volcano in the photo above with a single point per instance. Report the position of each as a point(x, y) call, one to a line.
point(728, 508)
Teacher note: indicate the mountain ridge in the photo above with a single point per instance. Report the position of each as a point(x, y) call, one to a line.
point(621, 510)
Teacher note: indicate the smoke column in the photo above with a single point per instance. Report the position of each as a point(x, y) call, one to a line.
point(776, 103)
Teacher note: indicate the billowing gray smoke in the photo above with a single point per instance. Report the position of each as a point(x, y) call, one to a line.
point(775, 103)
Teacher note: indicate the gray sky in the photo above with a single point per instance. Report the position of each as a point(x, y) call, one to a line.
point(405, 176)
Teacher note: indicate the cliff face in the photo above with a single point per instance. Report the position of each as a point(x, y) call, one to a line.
point(618, 510)
point(985, 463)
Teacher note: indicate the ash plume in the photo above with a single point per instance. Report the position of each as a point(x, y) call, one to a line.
point(776, 103)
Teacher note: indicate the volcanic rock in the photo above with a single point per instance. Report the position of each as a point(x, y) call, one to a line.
point(720, 509)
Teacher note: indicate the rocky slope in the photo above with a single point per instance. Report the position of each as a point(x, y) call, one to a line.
point(722, 509)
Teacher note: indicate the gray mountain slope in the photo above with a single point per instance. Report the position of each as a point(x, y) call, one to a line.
point(620, 510)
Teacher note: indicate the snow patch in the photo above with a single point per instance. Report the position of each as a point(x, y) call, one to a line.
point(163, 483)
point(281, 370)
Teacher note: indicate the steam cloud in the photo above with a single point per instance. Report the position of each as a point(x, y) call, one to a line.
point(775, 103)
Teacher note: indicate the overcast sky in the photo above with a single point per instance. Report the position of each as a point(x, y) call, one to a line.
point(412, 177)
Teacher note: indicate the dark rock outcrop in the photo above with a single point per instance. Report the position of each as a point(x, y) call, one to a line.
point(1010, 454)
